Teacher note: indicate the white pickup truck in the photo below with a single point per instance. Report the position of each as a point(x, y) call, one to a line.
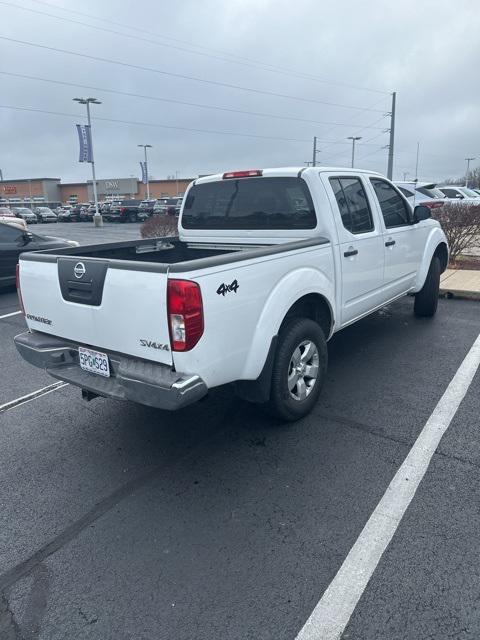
point(269, 264)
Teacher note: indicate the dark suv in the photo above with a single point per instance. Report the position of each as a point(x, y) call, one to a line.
point(126, 210)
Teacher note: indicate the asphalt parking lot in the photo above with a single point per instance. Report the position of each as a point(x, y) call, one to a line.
point(120, 522)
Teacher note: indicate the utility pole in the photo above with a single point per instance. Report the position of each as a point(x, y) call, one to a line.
point(97, 218)
point(405, 174)
point(145, 147)
point(314, 157)
point(416, 162)
point(392, 137)
point(468, 160)
point(353, 139)
point(176, 179)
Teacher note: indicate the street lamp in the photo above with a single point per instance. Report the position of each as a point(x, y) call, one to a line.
point(353, 139)
point(145, 147)
point(468, 160)
point(97, 218)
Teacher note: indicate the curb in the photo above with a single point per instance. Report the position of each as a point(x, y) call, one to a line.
point(460, 283)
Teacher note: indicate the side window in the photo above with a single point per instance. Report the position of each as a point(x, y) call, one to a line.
point(452, 193)
point(406, 192)
point(353, 204)
point(395, 211)
point(9, 233)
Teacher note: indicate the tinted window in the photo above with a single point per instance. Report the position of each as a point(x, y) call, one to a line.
point(431, 192)
point(353, 204)
point(406, 192)
point(9, 234)
point(250, 203)
point(395, 210)
point(451, 193)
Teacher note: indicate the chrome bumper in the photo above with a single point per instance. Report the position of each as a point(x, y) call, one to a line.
point(142, 381)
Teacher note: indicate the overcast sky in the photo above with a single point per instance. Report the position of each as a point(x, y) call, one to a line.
point(316, 50)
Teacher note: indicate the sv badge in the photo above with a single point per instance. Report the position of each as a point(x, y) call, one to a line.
point(154, 345)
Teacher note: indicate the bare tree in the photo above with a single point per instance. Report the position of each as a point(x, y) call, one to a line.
point(461, 224)
point(159, 226)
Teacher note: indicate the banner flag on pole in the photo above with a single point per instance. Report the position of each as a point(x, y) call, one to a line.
point(143, 166)
point(85, 140)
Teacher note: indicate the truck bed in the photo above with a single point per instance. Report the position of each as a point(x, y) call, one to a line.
point(162, 253)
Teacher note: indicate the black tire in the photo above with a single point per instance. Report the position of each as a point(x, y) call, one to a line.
point(284, 403)
point(426, 300)
point(132, 216)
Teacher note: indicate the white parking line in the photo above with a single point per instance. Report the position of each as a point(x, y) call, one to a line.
point(32, 396)
point(332, 613)
point(9, 315)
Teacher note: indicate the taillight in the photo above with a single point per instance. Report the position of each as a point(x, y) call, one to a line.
point(185, 314)
point(122, 209)
point(250, 173)
point(432, 204)
point(17, 278)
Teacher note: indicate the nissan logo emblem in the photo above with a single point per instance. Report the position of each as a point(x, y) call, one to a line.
point(79, 270)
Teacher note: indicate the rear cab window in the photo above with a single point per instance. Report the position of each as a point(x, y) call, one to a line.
point(250, 203)
point(352, 203)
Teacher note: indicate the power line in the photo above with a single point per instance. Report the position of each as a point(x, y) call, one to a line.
point(182, 76)
point(156, 124)
point(172, 100)
point(231, 59)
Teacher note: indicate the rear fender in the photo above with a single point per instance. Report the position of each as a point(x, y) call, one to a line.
point(435, 238)
point(287, 291)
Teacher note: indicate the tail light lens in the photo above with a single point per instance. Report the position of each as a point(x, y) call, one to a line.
point(249, 173)
point(432, 204)
point(17, 277)
point(122, 209)
point(185, 314)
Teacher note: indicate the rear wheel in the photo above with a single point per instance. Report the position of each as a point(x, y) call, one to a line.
point(426, 300)
point(299, 369)
point(132, 216)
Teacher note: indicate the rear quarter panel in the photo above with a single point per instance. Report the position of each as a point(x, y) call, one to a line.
point(239, 326)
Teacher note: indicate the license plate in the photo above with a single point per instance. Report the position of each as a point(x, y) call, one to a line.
point(94, 362)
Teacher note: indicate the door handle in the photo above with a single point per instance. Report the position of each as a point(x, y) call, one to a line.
point(390, 243)
point(353, 252)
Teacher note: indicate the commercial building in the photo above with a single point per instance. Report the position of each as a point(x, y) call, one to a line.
point(52, 192)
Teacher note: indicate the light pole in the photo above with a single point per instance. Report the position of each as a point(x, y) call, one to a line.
point(145, 147)
point(97, 218)
point(176, 180)
point(405, 174)
point(353, 139)
point(468, 160)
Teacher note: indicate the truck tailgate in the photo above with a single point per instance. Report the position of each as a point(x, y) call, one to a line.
point(93, 302)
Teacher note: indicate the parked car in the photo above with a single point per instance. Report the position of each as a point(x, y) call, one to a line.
point(45, 214)
point(269, 265)
point(455, 192)
point(425, 193)
point(146, 206)
point(178, 206)
point(14, 241)
point(25, 214)
point(7, 216)
point(125, 211)
point(166, 206)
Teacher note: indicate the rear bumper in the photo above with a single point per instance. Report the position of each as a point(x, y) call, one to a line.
point(142, 381)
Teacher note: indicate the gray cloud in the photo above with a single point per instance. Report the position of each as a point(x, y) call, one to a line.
point(428, 52)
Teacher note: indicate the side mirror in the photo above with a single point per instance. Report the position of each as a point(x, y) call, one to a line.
point(27, 237)
point(421, 212)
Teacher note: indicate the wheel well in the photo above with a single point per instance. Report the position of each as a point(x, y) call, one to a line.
point(315, 307)
point(442, 252)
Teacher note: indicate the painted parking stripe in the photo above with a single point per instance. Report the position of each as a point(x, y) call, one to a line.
point(32, 396)
point(332, 613)
point(9, 315)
